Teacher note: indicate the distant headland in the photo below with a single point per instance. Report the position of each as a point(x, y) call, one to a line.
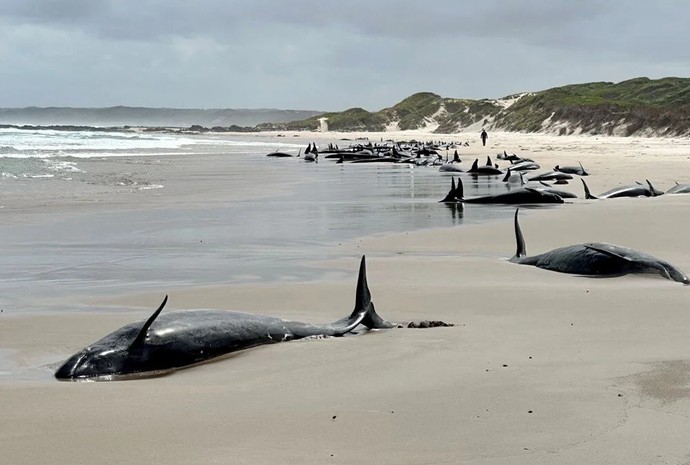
point(640, 106)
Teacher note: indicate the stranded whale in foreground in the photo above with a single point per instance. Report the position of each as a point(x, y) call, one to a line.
point(595, 258)
point(180, 339)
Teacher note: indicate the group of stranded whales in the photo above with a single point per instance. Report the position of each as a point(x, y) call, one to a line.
point(413, 152)
point(166, 342)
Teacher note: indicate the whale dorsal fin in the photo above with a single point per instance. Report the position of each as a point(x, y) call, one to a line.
point(474, 165)
point(651, 188)
point(144, 329)
point(451, 193)
point(584, 173)
point(519, 239)
point(460, 191)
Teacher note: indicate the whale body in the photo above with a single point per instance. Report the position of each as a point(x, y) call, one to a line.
point(595, 259)
point(170, 341)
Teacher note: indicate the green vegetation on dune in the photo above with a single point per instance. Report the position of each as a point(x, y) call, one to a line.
point(355, 119)
point(660, 105)
point(414, 111)
point(635, 106)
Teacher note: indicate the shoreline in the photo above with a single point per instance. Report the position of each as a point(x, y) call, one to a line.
point(542, 367)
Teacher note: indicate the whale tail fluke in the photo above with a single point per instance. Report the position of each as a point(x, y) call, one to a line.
point(372, 320)
point(588, 194)
point(364, 312)
point(519, 239)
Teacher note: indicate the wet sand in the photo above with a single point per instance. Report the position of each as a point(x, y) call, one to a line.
point(541, 367)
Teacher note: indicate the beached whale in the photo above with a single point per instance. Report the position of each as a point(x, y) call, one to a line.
point(180, 339)
point(551, 176)
point(679, 189)
point(486, 170)
point(511, 158)
point(595, 258)
point(524, 166)
point(547, 188)
point(579, 170)
point(450, 167)
point(633, 190)
point(522, 195)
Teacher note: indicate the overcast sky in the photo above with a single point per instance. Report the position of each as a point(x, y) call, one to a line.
point(325, 54)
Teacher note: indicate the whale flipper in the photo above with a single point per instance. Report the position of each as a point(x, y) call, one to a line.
point(608, 252)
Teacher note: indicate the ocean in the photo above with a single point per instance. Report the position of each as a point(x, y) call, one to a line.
point(114, 212)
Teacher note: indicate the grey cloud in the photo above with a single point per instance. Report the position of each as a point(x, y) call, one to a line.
point(324, 54)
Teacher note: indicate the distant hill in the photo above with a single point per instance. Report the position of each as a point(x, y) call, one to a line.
point(139, 116)
point(638, 106)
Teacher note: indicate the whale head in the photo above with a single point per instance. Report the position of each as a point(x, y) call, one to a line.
point(122, 352)
point(97, 361)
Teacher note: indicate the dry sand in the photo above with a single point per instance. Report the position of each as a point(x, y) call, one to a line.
point(542, 368)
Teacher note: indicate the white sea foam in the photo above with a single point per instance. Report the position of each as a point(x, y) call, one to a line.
point(39, 176)
point(151, 186)
point(49, 143)
point(61, 166)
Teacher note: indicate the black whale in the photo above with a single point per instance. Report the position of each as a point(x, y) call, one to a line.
point(180, 339)
point(595, 258)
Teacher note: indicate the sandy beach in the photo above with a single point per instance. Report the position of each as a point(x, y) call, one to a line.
point(541, 367)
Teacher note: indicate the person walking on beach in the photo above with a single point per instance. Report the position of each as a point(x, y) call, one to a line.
point(484, 136)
